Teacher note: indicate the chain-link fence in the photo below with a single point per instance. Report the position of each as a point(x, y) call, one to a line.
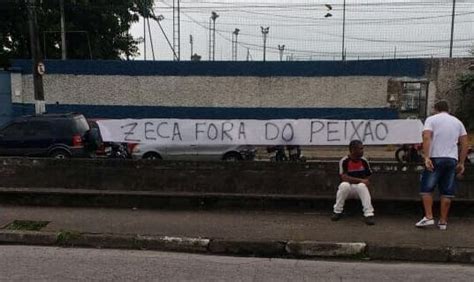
point(303, 30)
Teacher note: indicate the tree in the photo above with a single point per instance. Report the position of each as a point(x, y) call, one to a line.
point(97, 29)
point(466, 90)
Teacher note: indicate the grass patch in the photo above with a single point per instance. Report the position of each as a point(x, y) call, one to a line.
point(27, 225)
point(66, 237)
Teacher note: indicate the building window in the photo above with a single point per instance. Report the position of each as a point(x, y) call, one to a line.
point(413, 99)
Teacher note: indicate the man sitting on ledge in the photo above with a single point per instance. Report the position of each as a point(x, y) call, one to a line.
point(355, 171)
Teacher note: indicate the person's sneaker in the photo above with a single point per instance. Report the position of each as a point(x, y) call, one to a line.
point(369, 220)
point(336, 216)
point(425, 222)
point(442, 226)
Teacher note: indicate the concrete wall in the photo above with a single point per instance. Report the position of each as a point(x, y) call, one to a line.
point(340, 90)
point(203, 91)
point(390, 181)
point(344, 90)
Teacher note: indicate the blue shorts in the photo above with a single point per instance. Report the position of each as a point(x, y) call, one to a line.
point(443, 176)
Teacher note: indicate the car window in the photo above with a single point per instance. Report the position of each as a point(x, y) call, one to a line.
point(38, 128)
point(81, 124)
point(13, 130)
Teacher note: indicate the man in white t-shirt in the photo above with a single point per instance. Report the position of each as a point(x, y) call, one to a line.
point(441, 134)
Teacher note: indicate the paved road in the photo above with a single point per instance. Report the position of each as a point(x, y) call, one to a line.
point(26, 263)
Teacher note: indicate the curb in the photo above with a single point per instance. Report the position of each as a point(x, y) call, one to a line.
point(326, 249)
point(289, 249)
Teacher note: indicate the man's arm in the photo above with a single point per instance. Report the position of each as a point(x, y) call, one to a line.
point(462, 156)
point(427, 136)
point(354, 180)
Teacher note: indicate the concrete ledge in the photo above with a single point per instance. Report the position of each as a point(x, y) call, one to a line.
point(208, 201)
point(325, 249)
point(27, 237)
point(293, 249)
point(319, 179)
point(408, 253)
point(252, 248)
point(462, 255)
point(178, 244)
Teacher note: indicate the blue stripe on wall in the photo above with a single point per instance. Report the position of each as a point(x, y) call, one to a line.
point(98, 111)
point(399, 67)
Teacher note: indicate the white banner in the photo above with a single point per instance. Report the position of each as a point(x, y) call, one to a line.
point(261, 132)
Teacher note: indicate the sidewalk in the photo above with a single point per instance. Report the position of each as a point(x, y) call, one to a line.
point(255, 233)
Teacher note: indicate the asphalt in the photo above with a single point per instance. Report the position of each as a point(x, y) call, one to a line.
point(301, 234)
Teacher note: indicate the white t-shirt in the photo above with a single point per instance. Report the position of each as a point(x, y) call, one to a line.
point(446, 132)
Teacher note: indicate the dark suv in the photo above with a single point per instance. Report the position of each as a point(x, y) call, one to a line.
point(49, 135)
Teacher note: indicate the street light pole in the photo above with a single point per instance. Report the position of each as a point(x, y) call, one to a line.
point(264, 33)
point(214, 16)
point(281, 48)
point(191, 42)
point(235, 34)
point(452, 30)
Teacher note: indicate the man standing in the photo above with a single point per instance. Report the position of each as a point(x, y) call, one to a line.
point(441, 134)
point(355, 171)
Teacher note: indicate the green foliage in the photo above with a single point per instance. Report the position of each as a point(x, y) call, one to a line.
point(67, 237)
point(28, 225)
point(97, 29)
point(466, 109)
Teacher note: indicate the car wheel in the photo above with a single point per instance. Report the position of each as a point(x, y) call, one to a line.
point(232, 157)
point(152, 156)
point(60, 154)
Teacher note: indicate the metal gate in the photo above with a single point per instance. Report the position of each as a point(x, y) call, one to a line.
point(5, 97)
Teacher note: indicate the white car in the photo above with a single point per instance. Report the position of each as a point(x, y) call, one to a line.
point(194, 152)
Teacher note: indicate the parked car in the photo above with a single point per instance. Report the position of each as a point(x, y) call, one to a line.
point(193, 152)
point(58, 136)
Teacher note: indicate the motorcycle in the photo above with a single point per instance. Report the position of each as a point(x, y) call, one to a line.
point(409, 153)
point(118, 151)
point(413, 153)
point(279, 155)
point(470, 156)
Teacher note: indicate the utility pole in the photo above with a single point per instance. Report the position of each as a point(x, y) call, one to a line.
point(452, 30)
point(343, 30)
point(265, 34)
point(36, 56)
point(151, 38)
point(235, 34)
point(63, 30)
point(177, 29)
point(281, 48)
point(159, 18)
point(144, 32)
point(191, 43)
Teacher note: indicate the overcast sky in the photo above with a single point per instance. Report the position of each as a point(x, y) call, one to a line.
point(374, 29)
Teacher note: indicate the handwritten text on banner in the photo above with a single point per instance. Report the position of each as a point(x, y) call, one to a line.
point(261, 132)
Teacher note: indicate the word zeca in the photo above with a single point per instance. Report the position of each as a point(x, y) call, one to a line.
point(260, 131)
